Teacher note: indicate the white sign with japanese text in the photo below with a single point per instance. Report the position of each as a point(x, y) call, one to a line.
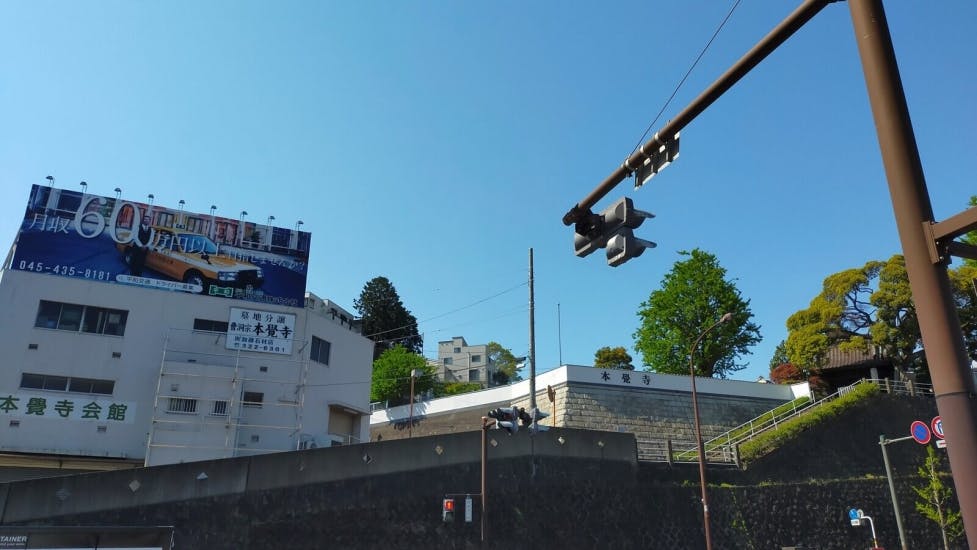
point(261, 331)
point(66, 407)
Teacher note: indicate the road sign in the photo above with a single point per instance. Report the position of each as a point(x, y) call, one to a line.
point(920, 432)
point(852, 514)
point(937, 426)
point(941, 443)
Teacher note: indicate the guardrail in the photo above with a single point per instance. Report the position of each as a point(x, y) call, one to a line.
point(724, 448)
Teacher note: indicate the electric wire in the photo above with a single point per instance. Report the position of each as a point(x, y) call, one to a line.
point(689, 72)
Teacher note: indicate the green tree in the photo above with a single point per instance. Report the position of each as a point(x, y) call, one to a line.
point(934, 498)
point(455, 388)
point(971, 238)
point(391, 376)
point(506, 364)
point(861, 309)
point(693, 296)
point(384, 318)
point(779, 356)
point(613, 358)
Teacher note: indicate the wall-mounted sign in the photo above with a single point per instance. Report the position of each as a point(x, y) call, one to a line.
point(73, 234)
point(262, 331)
point(66, 407)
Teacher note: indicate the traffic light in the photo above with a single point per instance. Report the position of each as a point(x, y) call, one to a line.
point(599, 230)
point(506, 418)
point(624, 246)
point(448, 510)
point(536, 415)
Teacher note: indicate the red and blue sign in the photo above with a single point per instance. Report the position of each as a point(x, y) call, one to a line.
point(920, 432)
point(937, 426)
point(113, 240)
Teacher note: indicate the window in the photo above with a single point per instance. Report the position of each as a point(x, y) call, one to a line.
point(473, 375)
point(447, 360)
point(182, 405)
point(74, 317)
point(67, 384)
point(476, 359)
point(219, 408)
point(208, 325)
point(457, 350)
point(320, 351)
point(252, 399)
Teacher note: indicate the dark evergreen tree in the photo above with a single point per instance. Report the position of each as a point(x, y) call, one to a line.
point(384, 318)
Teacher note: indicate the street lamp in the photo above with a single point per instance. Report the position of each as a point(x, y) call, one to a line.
point(84, 187)
point(150, 197)
point(50, 181)
point(698, 429)
point(118, 192)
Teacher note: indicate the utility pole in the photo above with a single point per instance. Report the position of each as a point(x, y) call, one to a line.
point(532, 338)
point(892, 486)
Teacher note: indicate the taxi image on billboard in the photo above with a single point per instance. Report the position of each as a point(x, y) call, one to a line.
point(191, 258)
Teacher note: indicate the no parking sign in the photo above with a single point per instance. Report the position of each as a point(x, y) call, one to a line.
point(920, 432)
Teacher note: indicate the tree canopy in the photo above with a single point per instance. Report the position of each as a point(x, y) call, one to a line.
point(872, 306)
point(506, 364)
point(384, 318)
point(693, 296)
point(613, 358)
point(392, 373)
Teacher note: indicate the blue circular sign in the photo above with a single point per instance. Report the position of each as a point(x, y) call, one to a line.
point(920, 432)
point(853, 514)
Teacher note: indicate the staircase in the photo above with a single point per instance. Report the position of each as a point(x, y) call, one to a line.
point(724, 448)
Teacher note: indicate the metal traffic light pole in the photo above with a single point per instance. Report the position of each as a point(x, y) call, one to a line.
point(939, 325)
point(927, 244)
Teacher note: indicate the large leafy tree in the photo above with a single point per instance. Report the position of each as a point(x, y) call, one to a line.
point(384, 318)
point(392, 374)
point(693, 296)
point(506, 364)
point(971, 238)
point(873, 306)
point(613, 358)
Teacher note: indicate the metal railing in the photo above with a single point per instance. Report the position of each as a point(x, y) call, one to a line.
point(724, 448)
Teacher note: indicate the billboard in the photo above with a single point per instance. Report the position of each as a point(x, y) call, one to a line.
point(83, 236)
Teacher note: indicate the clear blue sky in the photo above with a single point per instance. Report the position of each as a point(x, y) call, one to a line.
point(435, 142)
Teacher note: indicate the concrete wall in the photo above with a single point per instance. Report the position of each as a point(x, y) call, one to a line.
point(584, 493)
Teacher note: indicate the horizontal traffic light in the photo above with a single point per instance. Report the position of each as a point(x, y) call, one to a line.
point(612, 229)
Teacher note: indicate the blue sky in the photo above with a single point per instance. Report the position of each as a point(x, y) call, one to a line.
point(435, 142)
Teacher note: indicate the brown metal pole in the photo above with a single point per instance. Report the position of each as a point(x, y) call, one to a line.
point(929, 282)
point(751, 59)
point(484, 513)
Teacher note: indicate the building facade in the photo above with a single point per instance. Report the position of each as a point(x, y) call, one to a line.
point(460, 362)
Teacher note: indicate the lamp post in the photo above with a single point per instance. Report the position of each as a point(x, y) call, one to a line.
point(84, 187)
point(698, 429)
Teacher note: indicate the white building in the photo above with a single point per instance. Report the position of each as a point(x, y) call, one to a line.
point(95, 369)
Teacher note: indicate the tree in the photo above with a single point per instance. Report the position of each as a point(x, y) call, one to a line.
point(779, 356)
point(392, 373)
point(506, 364)
point(971, 238)
point(871, 307)
point(935, 497)
point(384, 318)
point(693, 296)
point(612, 358)
point(455, 388)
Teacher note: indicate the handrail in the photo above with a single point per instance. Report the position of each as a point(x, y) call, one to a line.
point(723, 449)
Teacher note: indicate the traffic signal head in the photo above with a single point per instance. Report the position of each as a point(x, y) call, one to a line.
point(448, 510)
point(594, 231)
point(624, 245)
point(506, 419)
point(536, 416)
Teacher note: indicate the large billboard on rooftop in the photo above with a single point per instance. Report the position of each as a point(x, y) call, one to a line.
point(113, 240)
